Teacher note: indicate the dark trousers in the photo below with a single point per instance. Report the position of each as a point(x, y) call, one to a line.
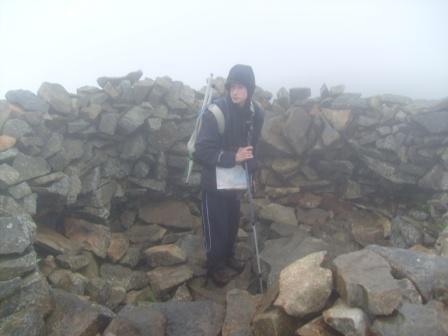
point(220, 219)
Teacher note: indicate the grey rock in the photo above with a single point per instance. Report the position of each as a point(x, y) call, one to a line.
point(133, 148)
point(20, 190)
point(169, 133)
point(73, 149)
point(30, 167)
point(314, 291)
point(436, 178)
point(133, 119)
point(145, 233)
point(279, 214)
point(55, 242)
point(180, 96)
point(428, 273)
point(27, 100)
point(16, 128)
point(296, 129)
point(388, 171)
point(132, 77)
point(132, 256)
point(53, 145)
point(94, 237)
point(278, 253)
point(8, 154)
point(121, 276)
point(191, 318)
point(166, 278)
point(108, 123)
point(90, 318)
point(145, 319)
point(273, 323)
point(405, 233)
point(9, 207)
point(141, 169)
point(58, 98)
point(141, 90)
point(160, 88)
point(28, 322)
point(71, 282)
point(16, 234)
point(193, 248)
point(347, 320)
point(33, 294)
point(9, 287)
point(165, 255)
point(173, 214)
point(412, 319)
point(409, 292)
point(13, 266)
point(272, 136)
point(77, 126)
point(363, 280)
point(240, 309)
point(72, 261)
point(8, 176)
point(29, 204)
point(433, 122)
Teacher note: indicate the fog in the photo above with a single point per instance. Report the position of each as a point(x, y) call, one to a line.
point(372, 47)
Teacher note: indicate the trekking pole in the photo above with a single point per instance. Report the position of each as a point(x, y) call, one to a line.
point(252, 210)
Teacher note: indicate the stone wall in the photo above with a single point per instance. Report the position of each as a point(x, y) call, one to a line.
point(101, 172)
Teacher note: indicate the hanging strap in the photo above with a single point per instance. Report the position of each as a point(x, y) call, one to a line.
point(217, 112)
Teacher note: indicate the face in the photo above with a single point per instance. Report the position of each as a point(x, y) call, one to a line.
point(238, 94)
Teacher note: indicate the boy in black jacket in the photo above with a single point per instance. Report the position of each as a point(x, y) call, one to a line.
point(221, 208)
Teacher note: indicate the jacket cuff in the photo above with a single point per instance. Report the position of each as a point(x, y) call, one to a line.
point(226, 159)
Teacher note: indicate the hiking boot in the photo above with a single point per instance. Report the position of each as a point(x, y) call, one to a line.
point(235, 264)
point(220, 277)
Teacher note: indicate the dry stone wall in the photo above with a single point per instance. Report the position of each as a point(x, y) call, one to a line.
point(101, 172)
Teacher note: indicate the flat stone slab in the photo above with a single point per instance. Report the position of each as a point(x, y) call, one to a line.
point(364, 280)
point(428, 273)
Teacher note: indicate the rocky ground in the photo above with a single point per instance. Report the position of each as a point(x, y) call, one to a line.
point(99, 235)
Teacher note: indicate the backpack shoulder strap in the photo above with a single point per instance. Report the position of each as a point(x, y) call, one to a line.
point(217, 112)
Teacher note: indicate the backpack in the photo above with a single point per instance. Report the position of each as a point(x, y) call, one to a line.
point(219, 119)
point(191, 145)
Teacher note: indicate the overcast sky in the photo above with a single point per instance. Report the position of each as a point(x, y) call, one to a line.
point(371, 46)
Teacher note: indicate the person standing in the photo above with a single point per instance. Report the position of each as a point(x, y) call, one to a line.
point(221, 208)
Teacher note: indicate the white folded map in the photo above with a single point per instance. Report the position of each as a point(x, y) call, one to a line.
point(231, 178)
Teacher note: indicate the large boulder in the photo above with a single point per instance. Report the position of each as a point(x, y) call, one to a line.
point(364, 280)
point(428, 273)
point(305, 286)
point(279, 253)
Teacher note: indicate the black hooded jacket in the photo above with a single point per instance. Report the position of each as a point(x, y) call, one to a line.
point(213, 149)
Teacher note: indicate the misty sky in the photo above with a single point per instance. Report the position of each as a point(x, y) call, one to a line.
point(373, 47)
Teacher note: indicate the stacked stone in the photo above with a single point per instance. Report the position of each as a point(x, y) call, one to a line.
point(340, 142)
point(101, 171)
